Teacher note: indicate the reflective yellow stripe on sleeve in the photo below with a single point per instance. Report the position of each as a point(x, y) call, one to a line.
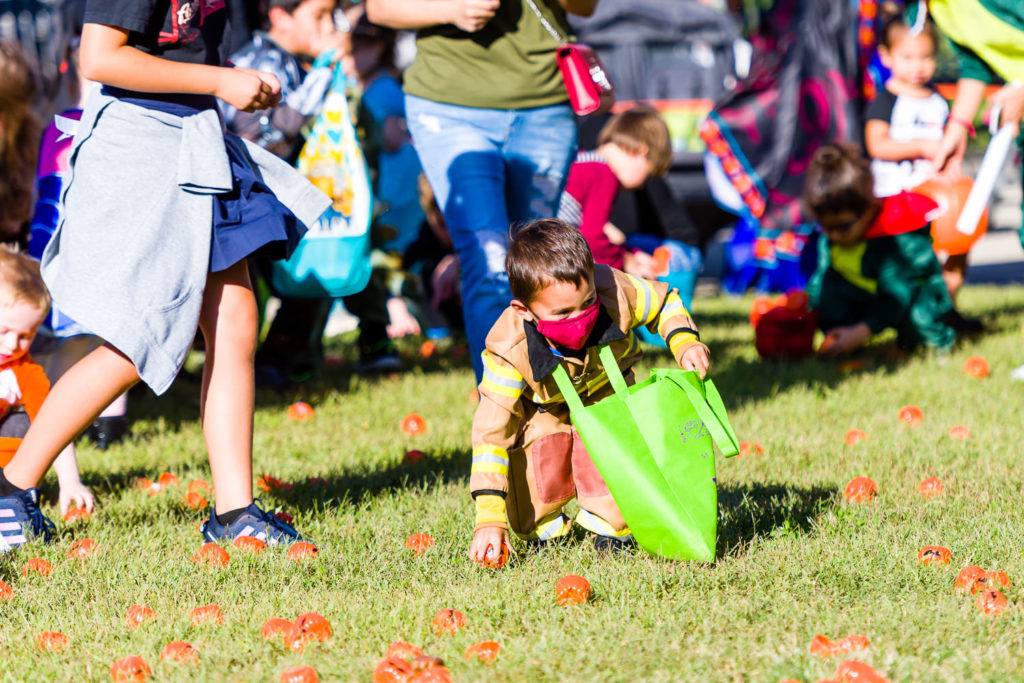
point(500, 379)
point(489, 459)
point(643, 313)
point(490, 510)
point(673, 307)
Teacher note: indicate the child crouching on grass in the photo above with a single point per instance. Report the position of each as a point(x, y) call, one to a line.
point(876, 267)
point(528, 461)
point(24, 303)
point(161, 210)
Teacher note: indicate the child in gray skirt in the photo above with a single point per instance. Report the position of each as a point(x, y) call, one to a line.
point(161, 209)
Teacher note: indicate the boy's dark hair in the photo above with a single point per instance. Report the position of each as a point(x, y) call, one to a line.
point(545, 251)
point(641, 126)
point(894, 22)
point(838, 180)
point(288, 6)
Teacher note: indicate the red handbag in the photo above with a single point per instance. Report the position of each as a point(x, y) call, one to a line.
point(586, 81)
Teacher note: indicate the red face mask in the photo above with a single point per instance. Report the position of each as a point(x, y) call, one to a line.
point(571, 333)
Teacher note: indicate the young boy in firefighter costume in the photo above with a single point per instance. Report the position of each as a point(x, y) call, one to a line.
point(876, 266)
point(528, 461)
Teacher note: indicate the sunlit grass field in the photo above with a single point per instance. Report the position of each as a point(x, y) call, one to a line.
point(794, 559)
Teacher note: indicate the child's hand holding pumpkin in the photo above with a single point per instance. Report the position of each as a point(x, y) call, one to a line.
point(487, 544)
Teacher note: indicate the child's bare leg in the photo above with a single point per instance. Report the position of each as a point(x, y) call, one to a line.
point(74, 402)
point(954, 272)
point(229, 324)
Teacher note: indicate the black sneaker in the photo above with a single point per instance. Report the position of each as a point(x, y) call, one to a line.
point(962, 324)
point(22, 521)
point(253, 522)
point(613, 545)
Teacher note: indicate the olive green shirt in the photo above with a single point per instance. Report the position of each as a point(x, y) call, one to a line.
point(508, 64)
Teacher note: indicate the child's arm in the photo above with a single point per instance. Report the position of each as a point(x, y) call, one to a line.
point(661, 310)
point(469, 15)
point(881, 146)
point(106, 57)
point(70, 483)
point(495, 426)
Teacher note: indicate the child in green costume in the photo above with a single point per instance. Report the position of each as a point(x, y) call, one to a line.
point(876, 267)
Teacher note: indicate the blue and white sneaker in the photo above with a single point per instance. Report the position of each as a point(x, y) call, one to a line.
point(22, 521)
point(253, 522)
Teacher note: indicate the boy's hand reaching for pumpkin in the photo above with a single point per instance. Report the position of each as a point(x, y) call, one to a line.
point(487, 543)
point(696, 358)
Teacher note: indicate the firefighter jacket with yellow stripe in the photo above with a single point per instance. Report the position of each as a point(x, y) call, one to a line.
point(519, 362)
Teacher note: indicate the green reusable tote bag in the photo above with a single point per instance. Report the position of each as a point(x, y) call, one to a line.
point(652, 443)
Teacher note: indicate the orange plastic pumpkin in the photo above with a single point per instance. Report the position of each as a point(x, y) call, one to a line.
point(762, 305)
point(853, 671)
point(212, 554)
point(861, 490)
point(268, 484)
point(991, 601)
point(414, 424)
point(37, 566)
point(990, 580)
point(912, 415)
point(81, 549)
point(823, 646)
point(180, 651)
point(854, 641)
point(448, 621)
point(572, 589)
point(427, 349)
point(296, 640)
point(167, 479)
point(195, 501)
point(951, 196)
point(275, 626)
point(6, 592)
point(300, 674)
point(197, 485)
point(930, 488)
point(132, 668)
point(300, 411)
point(419, 543)
point(959, 432)
point(143, 484)
point(427, 669)
point(976, 366)
point(211, 613)
point(402, 649)
point(302, 551)
point(74, 512)
point(250, 543)
point(393, 670)
point(933, 554)
point(967, 577)
point(138, 615)
point(855, 436)
point(52, 641)
point(315, 624)
point(495, 561)
point(750, 448)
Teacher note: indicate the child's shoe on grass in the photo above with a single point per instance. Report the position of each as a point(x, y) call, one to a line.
point(252, 522)
point(22, 521)
point(613, 545)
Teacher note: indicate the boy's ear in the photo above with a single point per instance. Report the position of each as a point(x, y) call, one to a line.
point(521, 310)
point(277, 15)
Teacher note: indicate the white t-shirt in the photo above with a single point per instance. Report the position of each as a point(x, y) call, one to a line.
point(909, 118)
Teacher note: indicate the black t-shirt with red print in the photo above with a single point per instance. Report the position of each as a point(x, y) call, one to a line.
point(192, 31)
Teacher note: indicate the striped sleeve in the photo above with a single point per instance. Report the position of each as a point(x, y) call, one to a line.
point(495, 426)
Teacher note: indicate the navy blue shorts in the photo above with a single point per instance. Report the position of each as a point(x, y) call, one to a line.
point(247, 221)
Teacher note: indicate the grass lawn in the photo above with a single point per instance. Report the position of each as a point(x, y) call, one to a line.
point(794, 559)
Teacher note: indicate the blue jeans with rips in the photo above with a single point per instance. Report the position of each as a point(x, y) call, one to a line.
point(490, 168)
